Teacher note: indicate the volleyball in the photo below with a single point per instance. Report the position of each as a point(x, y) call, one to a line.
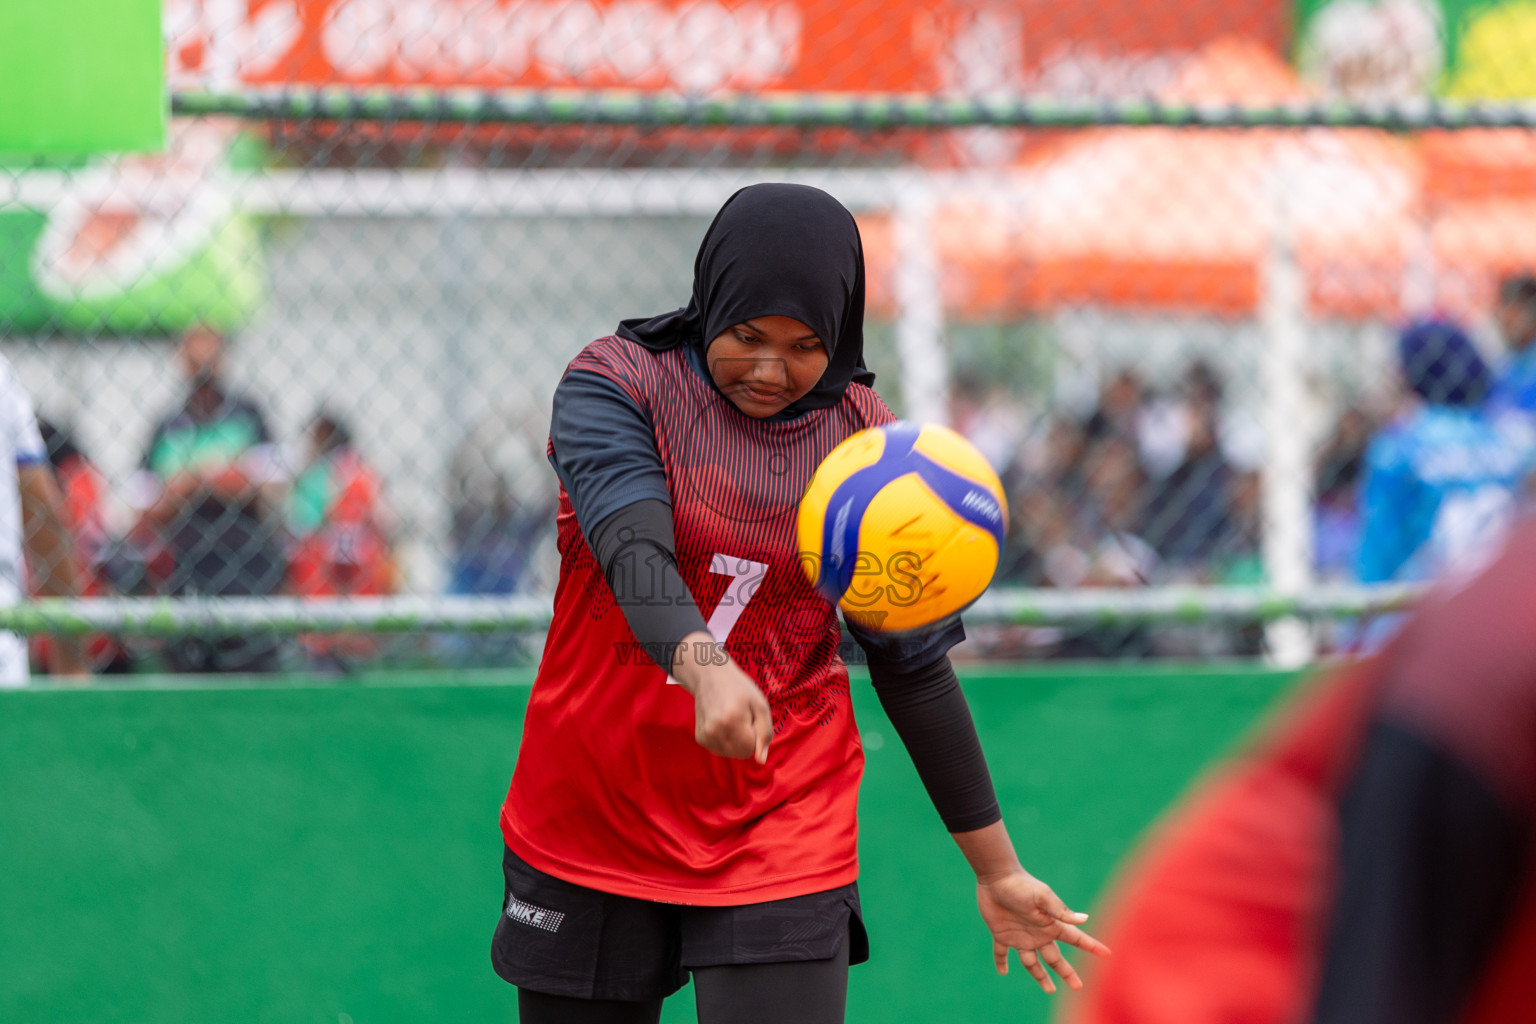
point(902, 525)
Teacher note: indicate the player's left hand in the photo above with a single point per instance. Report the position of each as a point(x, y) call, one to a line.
point(1024, 914)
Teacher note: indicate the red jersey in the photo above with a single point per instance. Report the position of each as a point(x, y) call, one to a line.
point(611, 791)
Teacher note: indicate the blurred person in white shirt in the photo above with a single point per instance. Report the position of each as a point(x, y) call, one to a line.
point(31, 522)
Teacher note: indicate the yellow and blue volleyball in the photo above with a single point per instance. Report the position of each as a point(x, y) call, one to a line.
point(902, 526)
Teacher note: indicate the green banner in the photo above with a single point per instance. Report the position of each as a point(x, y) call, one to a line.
point(129, 244)
point(81, 76)
point(1384, 49)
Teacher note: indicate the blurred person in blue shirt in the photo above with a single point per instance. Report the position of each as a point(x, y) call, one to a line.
point(1440, 481)
point(1515, 389)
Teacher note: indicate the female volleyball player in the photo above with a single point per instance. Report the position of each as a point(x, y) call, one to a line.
point(654, 830)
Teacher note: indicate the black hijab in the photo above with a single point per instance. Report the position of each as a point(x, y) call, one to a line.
point(776, 250)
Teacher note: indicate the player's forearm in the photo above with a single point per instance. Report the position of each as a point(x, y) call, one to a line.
point(989, 851)
point(929, 712)
point(637, 553)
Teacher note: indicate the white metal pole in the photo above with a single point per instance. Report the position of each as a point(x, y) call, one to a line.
point(1287, 473)
point(920, 307)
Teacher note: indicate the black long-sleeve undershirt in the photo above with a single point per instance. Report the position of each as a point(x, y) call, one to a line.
point(638, 555)
point(928, 710)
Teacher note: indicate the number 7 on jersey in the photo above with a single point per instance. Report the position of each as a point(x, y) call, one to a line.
point(745, 575)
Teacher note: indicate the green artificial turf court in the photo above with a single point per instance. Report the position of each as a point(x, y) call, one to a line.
point(314, 852)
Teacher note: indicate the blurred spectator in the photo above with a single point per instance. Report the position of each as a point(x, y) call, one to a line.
point(1114, 503)
point(1340, 470)
point(85, 495)
point(1515, 389)
point(337, 518)
point(1440, 482)
point(1120, 410)
point(1045, 511)
point(1054, 458)
point(988, 417)
point(85, 492)
point(1053, 551)
point(1078, 527)
point(1239, 561)
point(1042, 550)
point(1115, 496)
point(32, 520)
point(494, 546)
point(340, 542)
point(1341, 460)
point(1188, 509)
point(216, 482)
point(503, 501)
point(1166, 422)
point(1202, 385)
point(1238, 555)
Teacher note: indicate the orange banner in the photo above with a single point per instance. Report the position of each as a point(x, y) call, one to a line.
point(1111, 47)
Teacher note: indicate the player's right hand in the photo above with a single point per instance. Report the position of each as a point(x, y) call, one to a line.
point(731, 716)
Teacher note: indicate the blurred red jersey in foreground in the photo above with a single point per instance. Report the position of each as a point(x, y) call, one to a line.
point(1367, 859)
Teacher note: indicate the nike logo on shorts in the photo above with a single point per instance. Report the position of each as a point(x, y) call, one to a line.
point(538, 917)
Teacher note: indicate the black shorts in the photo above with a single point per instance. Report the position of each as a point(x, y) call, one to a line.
point(567, 940)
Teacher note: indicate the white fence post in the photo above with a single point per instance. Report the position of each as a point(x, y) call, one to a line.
point(1287, 474)
point(920, 307)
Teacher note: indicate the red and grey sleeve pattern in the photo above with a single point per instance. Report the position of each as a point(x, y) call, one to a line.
point(602, 443)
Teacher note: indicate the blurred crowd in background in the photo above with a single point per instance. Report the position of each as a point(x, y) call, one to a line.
point(296, 355)
point(219, 510)
point(1422, 475)
point(1151, 487)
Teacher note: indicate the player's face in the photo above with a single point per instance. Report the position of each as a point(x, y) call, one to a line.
point(766, 363)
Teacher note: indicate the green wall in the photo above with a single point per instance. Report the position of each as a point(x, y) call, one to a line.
point(327, 853)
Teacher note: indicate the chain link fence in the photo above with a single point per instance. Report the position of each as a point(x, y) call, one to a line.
point(307, 353)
